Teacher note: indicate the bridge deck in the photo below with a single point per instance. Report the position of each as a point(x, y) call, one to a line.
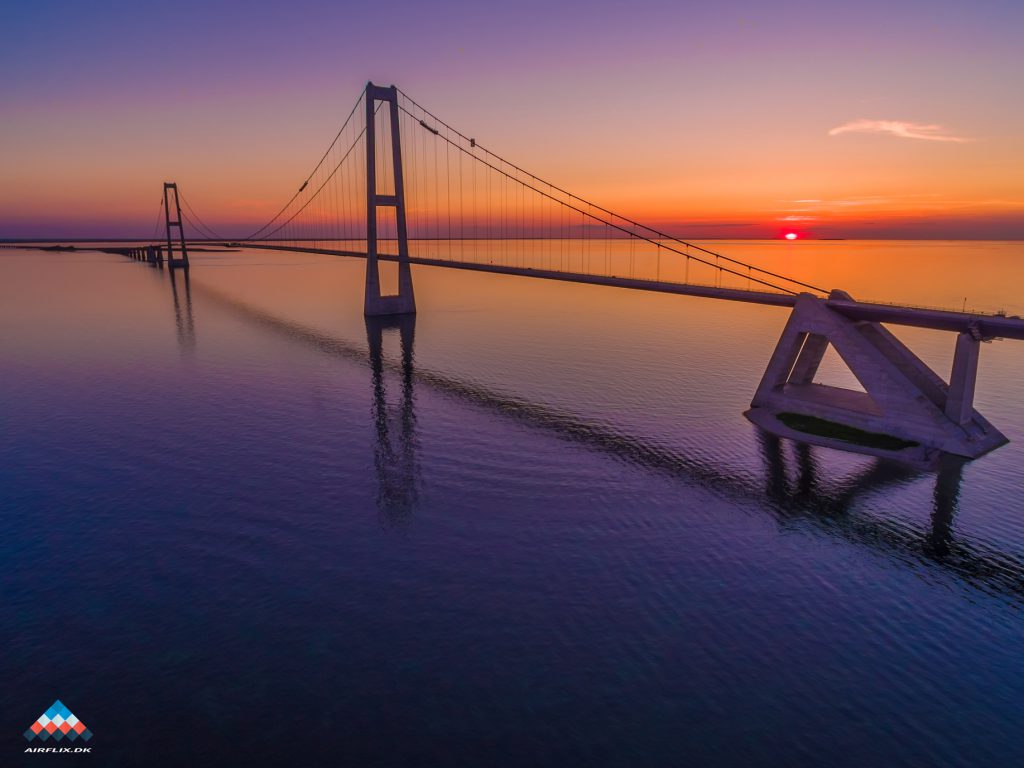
point(989, 326)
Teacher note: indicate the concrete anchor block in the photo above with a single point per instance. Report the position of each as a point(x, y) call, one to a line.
point(902, 396)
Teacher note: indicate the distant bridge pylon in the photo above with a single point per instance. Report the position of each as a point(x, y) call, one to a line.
point(172, 225)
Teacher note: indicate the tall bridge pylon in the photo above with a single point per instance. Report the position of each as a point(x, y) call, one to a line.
point(172, 262)
point(402, 303)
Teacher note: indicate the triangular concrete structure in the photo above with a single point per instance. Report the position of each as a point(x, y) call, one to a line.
point(902, 396)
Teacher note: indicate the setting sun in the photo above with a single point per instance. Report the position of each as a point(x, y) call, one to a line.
point(791, 235)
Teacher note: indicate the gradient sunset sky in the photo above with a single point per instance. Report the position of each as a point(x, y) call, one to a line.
point(717, 119)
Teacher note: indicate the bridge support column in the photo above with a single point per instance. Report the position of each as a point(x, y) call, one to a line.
point(403, 302)
point(903, 398)
point(960, 399)
point(811, 355)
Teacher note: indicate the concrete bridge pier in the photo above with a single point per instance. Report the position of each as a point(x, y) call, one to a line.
point(903, 398)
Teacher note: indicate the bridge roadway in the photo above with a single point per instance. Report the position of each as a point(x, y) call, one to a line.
point(985, 325)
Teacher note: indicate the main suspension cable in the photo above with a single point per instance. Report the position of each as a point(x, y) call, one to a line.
point(579, 210)
point(664, 235)
point(310, 174)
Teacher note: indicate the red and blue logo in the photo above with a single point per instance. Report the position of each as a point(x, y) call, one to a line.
point(58, 722)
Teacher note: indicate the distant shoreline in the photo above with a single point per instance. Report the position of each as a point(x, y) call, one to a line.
point(61, 240)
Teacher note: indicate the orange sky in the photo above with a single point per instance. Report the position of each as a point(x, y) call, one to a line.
point(736, 120)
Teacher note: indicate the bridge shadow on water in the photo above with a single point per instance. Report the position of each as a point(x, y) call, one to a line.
point(793, 487)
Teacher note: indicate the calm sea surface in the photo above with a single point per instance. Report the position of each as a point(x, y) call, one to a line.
point(241, 526)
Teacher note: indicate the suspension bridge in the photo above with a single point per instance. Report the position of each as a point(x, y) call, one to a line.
point(399, 186)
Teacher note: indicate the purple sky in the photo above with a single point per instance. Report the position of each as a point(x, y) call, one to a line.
point(727, 119)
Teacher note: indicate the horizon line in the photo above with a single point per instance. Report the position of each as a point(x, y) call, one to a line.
point(243, 243)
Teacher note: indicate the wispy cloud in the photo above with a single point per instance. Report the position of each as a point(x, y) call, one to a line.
point(919, 202)
point(900, 128)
